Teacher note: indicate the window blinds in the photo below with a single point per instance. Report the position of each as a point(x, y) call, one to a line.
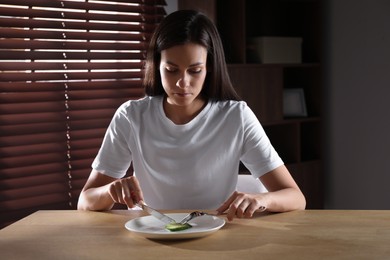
point(65, 67)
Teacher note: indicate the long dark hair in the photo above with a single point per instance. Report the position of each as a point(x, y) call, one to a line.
point(181, 27)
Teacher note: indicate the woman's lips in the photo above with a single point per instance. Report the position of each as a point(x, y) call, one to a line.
point(183, 94)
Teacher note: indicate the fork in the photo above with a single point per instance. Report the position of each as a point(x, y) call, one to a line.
point(193, 215)
point(197, 213)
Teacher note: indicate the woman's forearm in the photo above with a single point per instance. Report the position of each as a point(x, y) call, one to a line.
point(285, 200)
point(95, 199)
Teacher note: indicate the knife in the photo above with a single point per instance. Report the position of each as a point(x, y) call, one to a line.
point(162, 217)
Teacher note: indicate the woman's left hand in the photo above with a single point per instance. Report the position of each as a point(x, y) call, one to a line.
point(242, 205)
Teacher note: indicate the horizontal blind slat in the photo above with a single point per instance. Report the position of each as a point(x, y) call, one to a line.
point(22, 172)
point(84, 163)
point(33, 182)
point(32, 118)
point(91, 85)
point(56, 117)
point(86, 104)
point(68, 35)
point(35, 201)
point(67, 55)
point(36, 159)
point(31, 191)
point(45, 76)
point(23, 129)
point(40, 128)
point(69, 65)
point(74, 25)
point(14, 151)
point(107, 6)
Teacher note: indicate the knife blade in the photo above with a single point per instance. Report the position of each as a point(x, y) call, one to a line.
point(162, 217)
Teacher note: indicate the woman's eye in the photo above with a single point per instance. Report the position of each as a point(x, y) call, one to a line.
point(170, 69)
point(195, 71)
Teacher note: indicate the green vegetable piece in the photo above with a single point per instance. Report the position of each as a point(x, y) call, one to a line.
point(173, 227)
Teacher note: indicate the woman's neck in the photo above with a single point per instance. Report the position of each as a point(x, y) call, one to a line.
point(181, 115)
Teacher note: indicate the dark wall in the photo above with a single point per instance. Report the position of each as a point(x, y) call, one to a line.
point(357, 81)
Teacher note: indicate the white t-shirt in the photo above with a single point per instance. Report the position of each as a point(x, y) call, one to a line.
point(190, 166)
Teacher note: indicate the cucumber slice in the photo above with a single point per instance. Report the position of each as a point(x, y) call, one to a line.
point(177, 226)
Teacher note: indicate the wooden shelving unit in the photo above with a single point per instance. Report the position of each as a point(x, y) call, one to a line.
point(297, 140)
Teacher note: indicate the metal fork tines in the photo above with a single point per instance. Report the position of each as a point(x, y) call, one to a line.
point(196, 213)
point(192, 215)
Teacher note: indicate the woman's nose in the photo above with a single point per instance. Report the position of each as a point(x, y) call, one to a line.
point(182, 82)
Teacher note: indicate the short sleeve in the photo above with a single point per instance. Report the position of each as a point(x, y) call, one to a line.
point(258, 154)
point(114, 157)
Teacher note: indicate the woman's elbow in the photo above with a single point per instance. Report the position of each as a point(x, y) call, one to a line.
point(302, 201)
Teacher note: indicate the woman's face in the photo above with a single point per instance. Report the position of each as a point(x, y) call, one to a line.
point(183, 72)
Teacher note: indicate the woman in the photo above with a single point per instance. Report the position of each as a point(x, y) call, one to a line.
point(187, 137)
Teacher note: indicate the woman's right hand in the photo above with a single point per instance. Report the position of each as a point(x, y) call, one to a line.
point(126, 191)
point(101, 192)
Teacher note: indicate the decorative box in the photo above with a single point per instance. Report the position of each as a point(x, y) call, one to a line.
point(274, 50)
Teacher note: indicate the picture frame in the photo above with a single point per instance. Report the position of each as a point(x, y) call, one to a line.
point(294, 104)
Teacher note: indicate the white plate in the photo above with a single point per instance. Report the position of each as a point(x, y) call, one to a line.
point(150, 227)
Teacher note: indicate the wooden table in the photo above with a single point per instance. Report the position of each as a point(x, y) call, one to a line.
point(310, 234)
